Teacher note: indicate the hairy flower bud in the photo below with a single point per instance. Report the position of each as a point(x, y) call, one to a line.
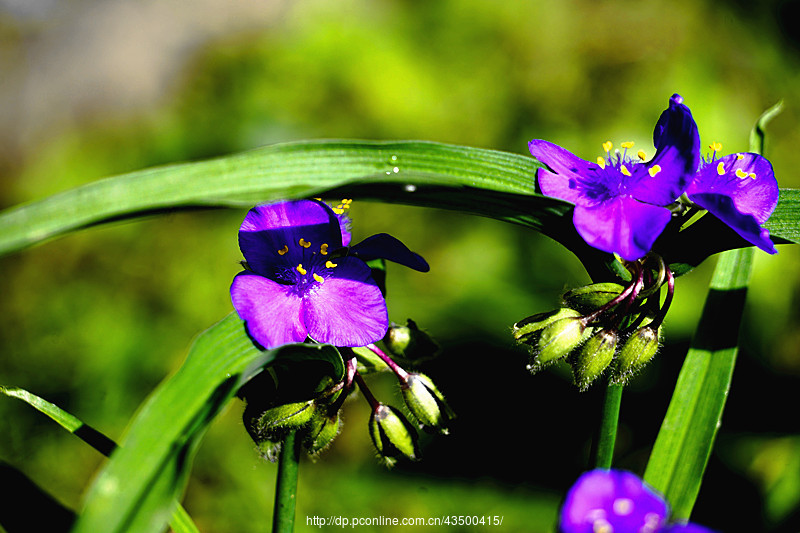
point(409, 342)
point(273, 422)
point(392, 435)
point(592, 297)
point(426, 403)
point(321, 431)
point(527, 330)
point(559, 339)
point(637, 351)
point(594, 357)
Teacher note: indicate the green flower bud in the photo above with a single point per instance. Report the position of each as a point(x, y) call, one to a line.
point(320, 432)
point(409, 342)
point(594, 357)
point(392, 435)
point(426, 403)
point(527, 331)
point(272, 423)
point(637, 351)
point(559, 339)
point(592, 297)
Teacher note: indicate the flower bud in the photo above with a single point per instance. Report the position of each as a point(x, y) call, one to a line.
point(426, 403)
point(392, 435)
point(527, 330)
point(592, 297)
point(409, 342)
point(284, 417)
point(559, 339)
point(594, 357)
point(321, 431)
point(637, 351)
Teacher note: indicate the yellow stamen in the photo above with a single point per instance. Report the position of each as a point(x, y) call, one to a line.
point(300, 269)
point(752, 175)
point(625, 170)
point(330, 264)
point(740, 173)
point(304, 243)
point(720, 169)
point(655, 169)
point(715, 147)
point(607, 146)
point(337, 210)
point(601, 162)
point(739, 157)
point(641, 155)
point(318, 278)
point(283, 250)
point(323, 249)
point(347, 201)
point(626, 145)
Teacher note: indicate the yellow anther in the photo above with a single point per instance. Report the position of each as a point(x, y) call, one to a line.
point(720, 169)
point(304, 243)
point(283, 250)
point(337, 210)
point(655, 169)
point(739, 157)
point(740, 173)
point(330, 264)
point(715, 147)
point(627, 144)
point(601, 162)
point(641, 155)
point(323, 249)
point(625, 170)
point(752, 175)
point(318, 278)
point(347, 201)
point(607, 146)
point(300, 269)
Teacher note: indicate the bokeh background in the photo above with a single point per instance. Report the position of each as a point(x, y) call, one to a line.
point(95, 320)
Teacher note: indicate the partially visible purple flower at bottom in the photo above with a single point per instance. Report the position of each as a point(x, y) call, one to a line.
point(614, 501)
point(741, 191)
point(302, 280)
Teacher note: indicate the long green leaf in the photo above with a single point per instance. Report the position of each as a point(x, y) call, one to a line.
point(687, 434)
point(473, 180)
point(137, 489)
point(181, 522)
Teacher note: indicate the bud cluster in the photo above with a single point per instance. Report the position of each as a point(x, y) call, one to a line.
point(304, 392)
point(602, 327)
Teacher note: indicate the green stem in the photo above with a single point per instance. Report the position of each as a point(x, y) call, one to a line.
point(286, 486)
point(607, 434)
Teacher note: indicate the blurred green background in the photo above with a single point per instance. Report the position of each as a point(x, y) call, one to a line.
point(95, 320)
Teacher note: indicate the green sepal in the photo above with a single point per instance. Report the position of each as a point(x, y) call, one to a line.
point(426, 403)
point(558, 339)
point(636, 352)
point(528, 330)
point(591, 297)
point(393, 436)
point(409, 343)
point(593, 358)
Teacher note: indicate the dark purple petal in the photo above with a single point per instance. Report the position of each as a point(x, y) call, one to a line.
point(569, 171)
point(677, 143)
point(383, 245)
point(686, 528)
point(271, 311)
point(266, 229)
point(622, 226)
point(617, 500)
point(347, 308)
point(747, 226)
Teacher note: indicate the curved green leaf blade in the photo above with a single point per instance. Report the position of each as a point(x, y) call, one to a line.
point(138, 488)
point(181, 522)
point(683, 446)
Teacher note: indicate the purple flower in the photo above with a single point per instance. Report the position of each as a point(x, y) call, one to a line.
point(613, 501)
point(619, 200)
point(302, 279)
point(740, 190)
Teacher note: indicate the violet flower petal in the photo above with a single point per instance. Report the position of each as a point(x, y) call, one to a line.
point(347, 308)
point(271, 311)
point(685, 528)
point(383, 245)
point(571, 174)
point(622, 225)
point(266, 229)
point(611, 498)
point(677, 143)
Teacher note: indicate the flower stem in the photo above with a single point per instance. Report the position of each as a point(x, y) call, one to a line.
point(286, 485)
point(607, 434)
